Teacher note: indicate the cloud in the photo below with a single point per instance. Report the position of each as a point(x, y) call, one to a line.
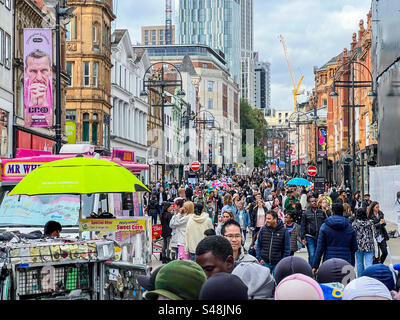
point(314, 32)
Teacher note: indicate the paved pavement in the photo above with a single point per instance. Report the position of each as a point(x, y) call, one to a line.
point(393, 249)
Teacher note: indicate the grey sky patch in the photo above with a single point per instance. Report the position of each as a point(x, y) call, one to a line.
point(314, 30)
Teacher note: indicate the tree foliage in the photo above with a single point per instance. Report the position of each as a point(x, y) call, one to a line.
point(253, 118)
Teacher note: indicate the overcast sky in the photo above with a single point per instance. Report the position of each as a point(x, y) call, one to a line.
point(314, 31)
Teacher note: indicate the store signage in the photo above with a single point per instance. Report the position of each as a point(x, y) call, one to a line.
point(124, 155)
point(107, 225)
point(38, 83)
point(19, 169)
point(322, 142)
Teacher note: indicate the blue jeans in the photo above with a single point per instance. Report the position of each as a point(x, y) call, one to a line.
point(364, 260)
point(311, 247)
point(154, 217)
point(270, 267)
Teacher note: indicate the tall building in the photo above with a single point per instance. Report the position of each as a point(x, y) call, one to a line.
point(155, 35)
point(262, 86)
point(214, 23)
point(218, 96)
point(247, 51)
point(89, 66)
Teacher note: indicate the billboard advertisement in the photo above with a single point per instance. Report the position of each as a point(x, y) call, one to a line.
point(38, 91)
point(322, 142)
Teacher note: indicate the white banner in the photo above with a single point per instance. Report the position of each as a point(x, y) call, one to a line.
point(384, 183)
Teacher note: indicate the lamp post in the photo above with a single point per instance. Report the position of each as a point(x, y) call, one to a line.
point(66, 13)
point(163, 84)
point(352, 84)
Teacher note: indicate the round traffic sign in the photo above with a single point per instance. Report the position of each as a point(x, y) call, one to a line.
point(312, 170)
point(195, 166)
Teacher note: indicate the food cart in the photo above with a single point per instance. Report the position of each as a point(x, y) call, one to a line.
point(95, 259)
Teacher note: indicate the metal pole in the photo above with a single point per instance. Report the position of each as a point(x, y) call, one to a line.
point(353, 128)
point(58, 82)
point(298, 145)
point(163, 127)
point(316, 134)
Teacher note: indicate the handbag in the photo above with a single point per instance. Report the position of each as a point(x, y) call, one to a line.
point(376, 247)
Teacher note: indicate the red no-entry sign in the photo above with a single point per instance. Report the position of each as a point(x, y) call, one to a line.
point(312, 170)
point(195, 166)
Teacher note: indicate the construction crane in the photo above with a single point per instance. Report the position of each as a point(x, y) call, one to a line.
point(168, 22)
point(296, 87)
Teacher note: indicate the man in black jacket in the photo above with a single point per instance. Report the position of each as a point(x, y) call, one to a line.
point(311, 222)
point(273, 242)
point(162, 197)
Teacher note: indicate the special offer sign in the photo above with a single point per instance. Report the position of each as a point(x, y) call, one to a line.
point(124, 225)
point(38, 93)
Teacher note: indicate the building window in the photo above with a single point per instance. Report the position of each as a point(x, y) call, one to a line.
point(106, 131)
point(86, 74)
point(7, 50)
point(68, 33)
point(95, 125)
point(210, 103)
point(70, 115)
point(1, 46)
point(210, 86)
point(205, 65)
point(94, 33)
point(95, 74)
point(86, 125)
point(70, 71)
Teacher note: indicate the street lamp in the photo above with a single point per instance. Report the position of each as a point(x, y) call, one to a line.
point(66, 13)
point(352, 84)
point(162, 83)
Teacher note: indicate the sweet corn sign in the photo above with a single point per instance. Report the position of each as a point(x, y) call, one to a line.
point(110, 225)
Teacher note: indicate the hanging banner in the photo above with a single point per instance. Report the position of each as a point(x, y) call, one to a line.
point(322, 142)
point(125, 225)
point(38, 92)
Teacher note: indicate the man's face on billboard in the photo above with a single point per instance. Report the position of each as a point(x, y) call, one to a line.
point(38, 70)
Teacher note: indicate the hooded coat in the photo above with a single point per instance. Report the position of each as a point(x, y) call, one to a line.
point(336, 239)
point(178, 225)
point(195, 228)
point(257, 278)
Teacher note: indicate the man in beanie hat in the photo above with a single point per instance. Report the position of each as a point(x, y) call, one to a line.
point(223, 286)
point(178, 280)
point(382, 273)
point(335, 270)
point(291, 265)
point(366, 288)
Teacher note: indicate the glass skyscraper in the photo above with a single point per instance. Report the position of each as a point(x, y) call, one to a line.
point(216, 23)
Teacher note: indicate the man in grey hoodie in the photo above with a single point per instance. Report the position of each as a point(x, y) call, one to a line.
point(232, 232)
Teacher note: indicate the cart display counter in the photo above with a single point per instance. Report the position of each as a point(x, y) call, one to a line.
point(49, 269)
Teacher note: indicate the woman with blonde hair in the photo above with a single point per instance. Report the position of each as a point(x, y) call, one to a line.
point(179, 223)
point(323, 204)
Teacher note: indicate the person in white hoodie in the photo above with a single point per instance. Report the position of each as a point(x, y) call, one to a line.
point(197, 224)
point(178, 225)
